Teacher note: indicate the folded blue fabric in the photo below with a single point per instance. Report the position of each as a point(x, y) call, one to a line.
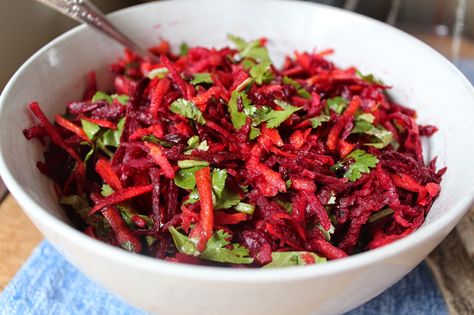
point(48, 284)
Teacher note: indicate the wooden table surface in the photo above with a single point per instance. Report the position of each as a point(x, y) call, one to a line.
point(452, 262)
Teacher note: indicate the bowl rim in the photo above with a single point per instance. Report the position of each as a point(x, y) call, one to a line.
point(209, 273)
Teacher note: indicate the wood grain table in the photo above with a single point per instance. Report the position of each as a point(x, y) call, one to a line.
point(452, 262)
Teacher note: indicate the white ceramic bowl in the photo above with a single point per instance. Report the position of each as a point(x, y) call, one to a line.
point(421, 78)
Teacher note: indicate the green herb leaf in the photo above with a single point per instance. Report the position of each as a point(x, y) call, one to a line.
point(192, 163)
point(112, 137)
point(106, 190)
point(200, 78)
point(319, 120)
point(364, 124)
point(159, 73)
point(90, 128)
point(121, 98)
point(238, 118)
point(183, 49)
point(370, 78)
point(218, 181)
point(254, 132)
point(299, 89)
point(362, 162)
point(194, 143)
point(274, 118)
point(286, 259)
point(228, 199)
point(155, 140)
point(251, 49)
point(128, 246)
point(185, 179)
point(183, 243)
point(78, 203)
point(327, 234)
point(98, 96)
point(193, 197)
point(244, 208)
point(285, 204)
point(188, 110)
point(337, 104)
point(288, 183)
point(216, 248)
point(381, 214)
point(261, 73)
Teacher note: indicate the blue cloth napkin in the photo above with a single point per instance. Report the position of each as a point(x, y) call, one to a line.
point(48, 284)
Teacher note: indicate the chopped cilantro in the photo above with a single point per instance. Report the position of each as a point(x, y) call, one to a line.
point(327, 234)
point(244, 207)
point(364, 125)
point(319, 120)
point(185, 179)
point(218, 181)
point(299, 89)
point(90, 128)
point(286, 259)
point(192, 163)
point(261, 73)
point(159, 73)
point(254, 132)
point(188, 110)
point(274, 118)
point(200, 78)
point(155, 140)
point(183, 49)
point(361, 163)
point(195, 144)
point(217, 248)
point(370, 78)
point(112, 137)
point(381, 214)
point(337, 104)
point(252, 49)
point(101, 96)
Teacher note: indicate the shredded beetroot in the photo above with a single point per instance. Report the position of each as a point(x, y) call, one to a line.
point(215, 156)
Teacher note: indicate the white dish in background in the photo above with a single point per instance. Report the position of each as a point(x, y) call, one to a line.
point(422, 79)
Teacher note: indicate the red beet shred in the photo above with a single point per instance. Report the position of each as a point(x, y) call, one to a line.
point(214, 156)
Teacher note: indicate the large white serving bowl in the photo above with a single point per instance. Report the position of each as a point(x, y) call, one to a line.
point(422, 79)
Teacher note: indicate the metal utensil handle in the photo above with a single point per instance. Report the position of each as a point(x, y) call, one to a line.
point(85, 12)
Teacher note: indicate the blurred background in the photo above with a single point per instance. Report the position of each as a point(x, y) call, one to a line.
point(446, 25)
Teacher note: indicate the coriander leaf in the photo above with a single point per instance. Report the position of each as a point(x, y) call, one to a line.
point(200, 78)
point(193, 142)
point(261, 73)
point(128, 246)
point(159, 73)
point(78, 203)
point(216, 250)
point(362, 162)
point(183, 243)
point(89, 155)
point(252, 49)
point(247, 64)
point(337, 104)
point(183, 49)
point(288, 183)
point(218, 181)
point(286, 259)
point(155, 140)
point(193, 197)
point(319, 120)
point(381, 214)
point(368, 117)
point(327, 234)
point(303, 93)
point(90, 128)
point(285, 204)
point(254, 133)
point(299, 89)
point(121, 98)
point(192, 163)
point(228, 199)
point(238, 118)
point(370, 78)
point(363, 125)
point(185, 179)
point(244, 208)
point(98, 96)
point(106, 190)
point(112, 137)
point(187, 109)
point(104, 149)
point(274, 118)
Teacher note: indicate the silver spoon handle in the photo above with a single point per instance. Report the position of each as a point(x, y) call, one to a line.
point(85, 12)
